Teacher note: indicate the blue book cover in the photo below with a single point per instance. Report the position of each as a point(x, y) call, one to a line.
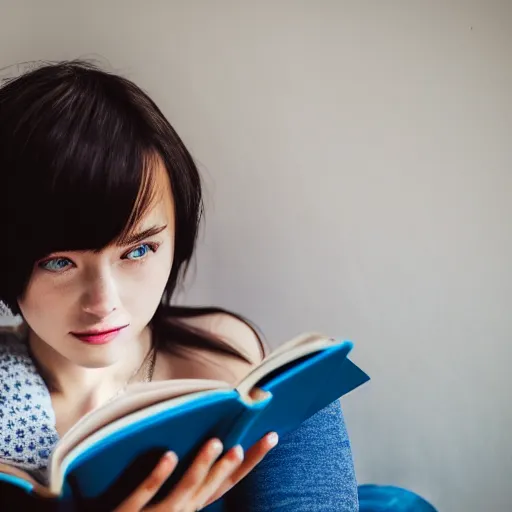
point(104, 457)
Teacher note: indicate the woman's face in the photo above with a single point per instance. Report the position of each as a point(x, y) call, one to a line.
point(73, 296)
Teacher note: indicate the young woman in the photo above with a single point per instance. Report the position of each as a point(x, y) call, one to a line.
point(100, 204)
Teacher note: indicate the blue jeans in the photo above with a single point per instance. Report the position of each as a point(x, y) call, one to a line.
point(310, 470)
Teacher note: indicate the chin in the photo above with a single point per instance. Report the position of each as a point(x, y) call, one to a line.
point(98, 361)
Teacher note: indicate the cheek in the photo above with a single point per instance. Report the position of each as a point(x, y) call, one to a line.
point(43, 305)
point(148, 283)
point(160, 271)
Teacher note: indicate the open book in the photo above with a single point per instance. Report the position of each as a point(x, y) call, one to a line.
point(113, 448)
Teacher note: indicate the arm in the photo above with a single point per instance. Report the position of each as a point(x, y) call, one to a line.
point(310, 470)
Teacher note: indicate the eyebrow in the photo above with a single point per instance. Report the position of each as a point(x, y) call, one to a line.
point(138, 237)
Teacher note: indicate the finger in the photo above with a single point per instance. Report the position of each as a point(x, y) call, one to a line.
point(259, 394)
point(255, 454)
point(149, 487)
point(253, 457)
point(221, 471)
point(194, 477)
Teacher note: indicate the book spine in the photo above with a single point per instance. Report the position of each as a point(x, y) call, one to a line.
point(243, 423)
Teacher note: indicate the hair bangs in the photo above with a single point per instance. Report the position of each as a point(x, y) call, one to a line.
point(154, 186)
point(79, 155)
point(85, 154)
point(87, 172)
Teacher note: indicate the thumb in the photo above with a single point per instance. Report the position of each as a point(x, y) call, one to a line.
point(259, 394)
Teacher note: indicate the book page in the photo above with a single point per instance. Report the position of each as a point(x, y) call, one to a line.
point(298, 341)
point(295, 349)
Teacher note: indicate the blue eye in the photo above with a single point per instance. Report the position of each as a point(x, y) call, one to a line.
point(139, 252)
point(55, 265)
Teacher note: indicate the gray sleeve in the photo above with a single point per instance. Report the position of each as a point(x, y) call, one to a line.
point(310, 470)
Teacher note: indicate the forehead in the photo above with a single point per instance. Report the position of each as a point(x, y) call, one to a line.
point(161, 213)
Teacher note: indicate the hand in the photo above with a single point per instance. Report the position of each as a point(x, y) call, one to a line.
point(205, 481)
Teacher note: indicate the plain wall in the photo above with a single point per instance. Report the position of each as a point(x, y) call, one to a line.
point(357, 162)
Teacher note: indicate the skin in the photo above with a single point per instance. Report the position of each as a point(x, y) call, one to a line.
point(82, 291)
point(122, 285)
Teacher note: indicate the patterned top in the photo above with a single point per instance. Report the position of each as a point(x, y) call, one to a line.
point(27, 420)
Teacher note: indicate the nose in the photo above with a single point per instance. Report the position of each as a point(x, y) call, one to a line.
point(100, 297)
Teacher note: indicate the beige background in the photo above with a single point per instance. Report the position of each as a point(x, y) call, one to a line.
point(357, 159)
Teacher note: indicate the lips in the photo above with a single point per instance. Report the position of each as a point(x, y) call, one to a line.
point(99, 337)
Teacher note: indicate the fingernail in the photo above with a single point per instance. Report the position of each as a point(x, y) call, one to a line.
point(216, 447)
point(273, 438)
point(239, 452)
point(171, 457)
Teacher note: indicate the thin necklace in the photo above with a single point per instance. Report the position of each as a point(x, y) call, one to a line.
point(147, 369)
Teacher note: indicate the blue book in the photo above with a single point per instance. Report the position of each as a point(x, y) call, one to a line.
point(110, 451)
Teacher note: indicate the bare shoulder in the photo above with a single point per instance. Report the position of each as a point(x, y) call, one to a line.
point(232, 330)
point(204, 363)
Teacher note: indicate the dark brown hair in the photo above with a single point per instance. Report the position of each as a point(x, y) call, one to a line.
point(76, 145)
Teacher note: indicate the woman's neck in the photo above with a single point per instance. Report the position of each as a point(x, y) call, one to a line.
point(90, 387)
